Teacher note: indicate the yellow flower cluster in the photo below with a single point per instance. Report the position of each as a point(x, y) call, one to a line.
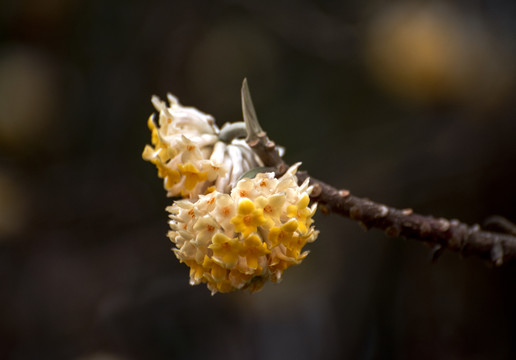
point(241, 239)
point(188, 153)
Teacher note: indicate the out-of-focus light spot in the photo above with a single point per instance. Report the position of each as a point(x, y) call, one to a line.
point(13, 206)
point(432, 53)
point(28, 99)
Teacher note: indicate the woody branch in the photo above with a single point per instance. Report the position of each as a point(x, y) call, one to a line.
point(496, 247)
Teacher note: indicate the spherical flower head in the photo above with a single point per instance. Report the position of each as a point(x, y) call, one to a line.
point(190, 156)
point(242, 239)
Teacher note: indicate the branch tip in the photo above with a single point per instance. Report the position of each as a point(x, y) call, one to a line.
point(253, 127)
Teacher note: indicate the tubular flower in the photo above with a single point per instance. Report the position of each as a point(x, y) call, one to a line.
point(242, 239)
point(189, 154)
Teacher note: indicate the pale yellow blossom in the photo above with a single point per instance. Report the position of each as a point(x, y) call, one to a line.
point(232, 242)
point(254, 250)
point(283, 234)
point(302, 213)
point(272, 207)
point(189, 156)
point(248, 217)
point(225, 250)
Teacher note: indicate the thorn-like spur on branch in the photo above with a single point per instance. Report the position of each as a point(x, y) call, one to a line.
point(257, 138)
point(496, 247)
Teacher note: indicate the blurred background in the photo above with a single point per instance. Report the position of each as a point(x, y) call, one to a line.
point(407, 103)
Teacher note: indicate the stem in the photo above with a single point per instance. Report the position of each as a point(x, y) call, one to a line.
point(496, 247)
point(441, 233)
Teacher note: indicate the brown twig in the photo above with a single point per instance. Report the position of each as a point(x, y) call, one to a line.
point(498, 248)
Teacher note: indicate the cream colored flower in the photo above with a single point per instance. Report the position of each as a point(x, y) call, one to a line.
point(272, 207)
point(225, 250)
point(245, 188)
point(302, 213)
point(242, 239)
point(232, 232)
point(206, 227)
point(224, 211)
point(190, 156)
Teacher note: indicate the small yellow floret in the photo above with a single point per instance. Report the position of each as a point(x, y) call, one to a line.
point(253, 250)
point(301, 212)
point(283, 234)
point(272, 207)
point(248, 218)
point(196, 272)
point(192, 175)
point(225, 250)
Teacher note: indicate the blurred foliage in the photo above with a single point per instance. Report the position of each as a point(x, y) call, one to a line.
point(407, 103)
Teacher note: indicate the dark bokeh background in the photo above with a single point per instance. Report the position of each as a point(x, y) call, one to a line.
point(410, 104)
